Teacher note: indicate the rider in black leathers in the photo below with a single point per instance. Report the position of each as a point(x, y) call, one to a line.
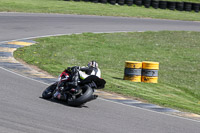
point(72, 76)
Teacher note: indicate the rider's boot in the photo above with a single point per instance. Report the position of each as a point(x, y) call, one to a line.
point(56, 94)
point(63, 97)
point(74, 85)
point(60, 96)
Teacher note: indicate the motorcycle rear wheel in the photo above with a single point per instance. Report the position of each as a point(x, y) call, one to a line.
point(87, 95)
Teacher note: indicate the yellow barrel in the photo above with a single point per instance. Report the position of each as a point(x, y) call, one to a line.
point(150, 72)
point(133, 71)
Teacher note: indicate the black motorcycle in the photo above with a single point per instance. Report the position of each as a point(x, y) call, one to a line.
point(85, 92)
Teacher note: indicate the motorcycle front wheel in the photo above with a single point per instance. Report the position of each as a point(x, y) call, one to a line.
point(48, 92)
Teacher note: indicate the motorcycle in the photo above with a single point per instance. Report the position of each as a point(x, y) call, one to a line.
point(85, 92)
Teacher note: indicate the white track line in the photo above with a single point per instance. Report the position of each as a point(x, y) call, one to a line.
point(28, 38)
point(23, 76)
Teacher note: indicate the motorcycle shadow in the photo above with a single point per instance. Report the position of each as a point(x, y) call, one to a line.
point(63, 103)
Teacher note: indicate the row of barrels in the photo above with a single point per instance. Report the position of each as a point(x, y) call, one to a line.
point(141, 71)
point(172, 5)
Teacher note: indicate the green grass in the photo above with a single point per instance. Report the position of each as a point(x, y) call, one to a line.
point(177, 52)
point(71, 7)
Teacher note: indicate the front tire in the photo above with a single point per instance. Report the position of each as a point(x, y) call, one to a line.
point(48, 92)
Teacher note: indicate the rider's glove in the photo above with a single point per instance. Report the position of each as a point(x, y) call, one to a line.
point(75, 69)
point(68, 69)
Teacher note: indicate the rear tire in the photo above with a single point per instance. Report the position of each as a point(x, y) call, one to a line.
point(85, 97)
point(48, 92)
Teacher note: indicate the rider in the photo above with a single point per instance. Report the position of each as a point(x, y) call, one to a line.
point(74, 74)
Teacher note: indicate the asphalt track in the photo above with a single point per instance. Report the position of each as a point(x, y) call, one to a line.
point(23, 111)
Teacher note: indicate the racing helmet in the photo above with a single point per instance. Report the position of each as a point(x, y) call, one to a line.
point(93, 64)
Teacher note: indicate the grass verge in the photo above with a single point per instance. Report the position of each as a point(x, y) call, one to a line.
point(177, 52)
point(72, 7)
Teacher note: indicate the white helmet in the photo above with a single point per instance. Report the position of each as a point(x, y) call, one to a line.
point(93, 64)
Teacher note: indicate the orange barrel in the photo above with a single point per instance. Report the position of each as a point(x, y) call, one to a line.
point(150, 72)
point(133, 71)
